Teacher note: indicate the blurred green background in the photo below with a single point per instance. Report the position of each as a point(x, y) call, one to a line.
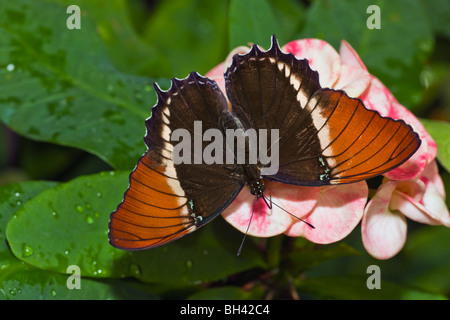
point(72, 111)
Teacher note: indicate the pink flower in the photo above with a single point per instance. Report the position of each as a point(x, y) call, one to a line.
point(414, 182)
point(414, 189)
point(384, 224)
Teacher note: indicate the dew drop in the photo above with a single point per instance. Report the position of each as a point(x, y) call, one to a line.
point(97, 272)
point(427, 78)
point(99, 194)
point(4, 265)
point(135, 270)
point(89, 220)
point(53, 292)
point(79, 208)
point(27, 250)
point(10, 67)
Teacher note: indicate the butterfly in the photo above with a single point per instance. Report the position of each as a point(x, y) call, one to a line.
point(324, 137)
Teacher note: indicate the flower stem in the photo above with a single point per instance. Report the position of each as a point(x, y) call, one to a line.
point(274, 251)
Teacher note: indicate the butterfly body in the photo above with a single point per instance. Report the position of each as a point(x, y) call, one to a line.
point(315, 136)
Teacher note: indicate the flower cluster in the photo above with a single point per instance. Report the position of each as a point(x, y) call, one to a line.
point(414, 189)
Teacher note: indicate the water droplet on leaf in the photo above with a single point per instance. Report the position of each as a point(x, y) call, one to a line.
point(135, 270)
point(89, 220)
point(27, 251)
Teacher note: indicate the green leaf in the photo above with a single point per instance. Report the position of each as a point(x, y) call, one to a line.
point(19, 280)
point(252, 21)
point(192, 34)
point(310, 256)
point(58, 85)
point(12, 197)
point(126, 49)
point(395, 53)
point(425, 256)
point(355, 287)
point(24, 282)
point(68, 225)
point(440, 131)
point(289, 15)
point(206, 255)
point(438, 12)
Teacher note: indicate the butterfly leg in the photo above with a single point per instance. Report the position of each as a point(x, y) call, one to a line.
point(269, 204)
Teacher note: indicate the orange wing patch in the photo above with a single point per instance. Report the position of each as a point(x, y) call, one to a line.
point(361, 143)
point(154, 211)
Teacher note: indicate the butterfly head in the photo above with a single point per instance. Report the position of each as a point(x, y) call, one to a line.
point(257, 187)
point(252, 176)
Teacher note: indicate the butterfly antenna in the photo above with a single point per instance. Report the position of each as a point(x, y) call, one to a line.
point(273, 203)
point(248, 227)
